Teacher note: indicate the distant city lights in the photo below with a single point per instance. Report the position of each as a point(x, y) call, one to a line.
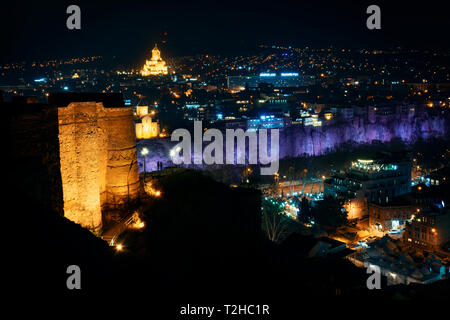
point(267, 74)
point(289, 74)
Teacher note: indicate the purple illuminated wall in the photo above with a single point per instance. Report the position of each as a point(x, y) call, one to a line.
point(299, 141)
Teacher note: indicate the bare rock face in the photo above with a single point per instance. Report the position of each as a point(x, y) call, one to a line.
point(298, 141)
point(98, 160)
point(312, 141)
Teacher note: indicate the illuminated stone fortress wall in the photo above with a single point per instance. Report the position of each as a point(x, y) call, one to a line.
point(98, 159)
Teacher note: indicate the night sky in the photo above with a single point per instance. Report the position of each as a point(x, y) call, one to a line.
point(129, 29)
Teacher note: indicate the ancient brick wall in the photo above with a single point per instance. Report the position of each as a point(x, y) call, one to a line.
point(98, 160)
point(80, 143)
point(122, 177)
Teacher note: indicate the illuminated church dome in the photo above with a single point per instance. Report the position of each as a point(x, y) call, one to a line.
point(154, 66)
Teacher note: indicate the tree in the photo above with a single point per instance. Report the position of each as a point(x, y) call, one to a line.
point(291, 173)
point(328, 213)
point(274, 188)
point(305, 210)
point(275, 223)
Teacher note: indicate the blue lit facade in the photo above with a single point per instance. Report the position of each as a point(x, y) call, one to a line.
point(265, 122)
point(278, 80)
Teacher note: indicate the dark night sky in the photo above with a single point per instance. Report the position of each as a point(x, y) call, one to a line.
point(128, 29)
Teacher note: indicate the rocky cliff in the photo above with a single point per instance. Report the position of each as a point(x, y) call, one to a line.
point(297, 141)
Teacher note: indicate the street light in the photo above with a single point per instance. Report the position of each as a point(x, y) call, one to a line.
point(174, 151)
point(144, 152)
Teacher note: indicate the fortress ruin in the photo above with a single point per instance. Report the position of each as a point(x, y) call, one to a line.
point(85, 147)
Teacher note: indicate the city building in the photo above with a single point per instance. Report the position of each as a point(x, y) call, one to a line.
point(391, 217)
point(400, 264)
point(371, 180)
point(312, 120)
point(281, 80)
point(141, 111)
point(438, 177)
point(405, 110)
point(346, 113)
point(196, 111)
point(267, 122)
point(429, 229)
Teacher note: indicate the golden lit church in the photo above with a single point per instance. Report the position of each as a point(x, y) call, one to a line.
point(145, 127)
point(154, 66)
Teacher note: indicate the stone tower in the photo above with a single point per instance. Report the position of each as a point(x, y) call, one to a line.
point(98, 157)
